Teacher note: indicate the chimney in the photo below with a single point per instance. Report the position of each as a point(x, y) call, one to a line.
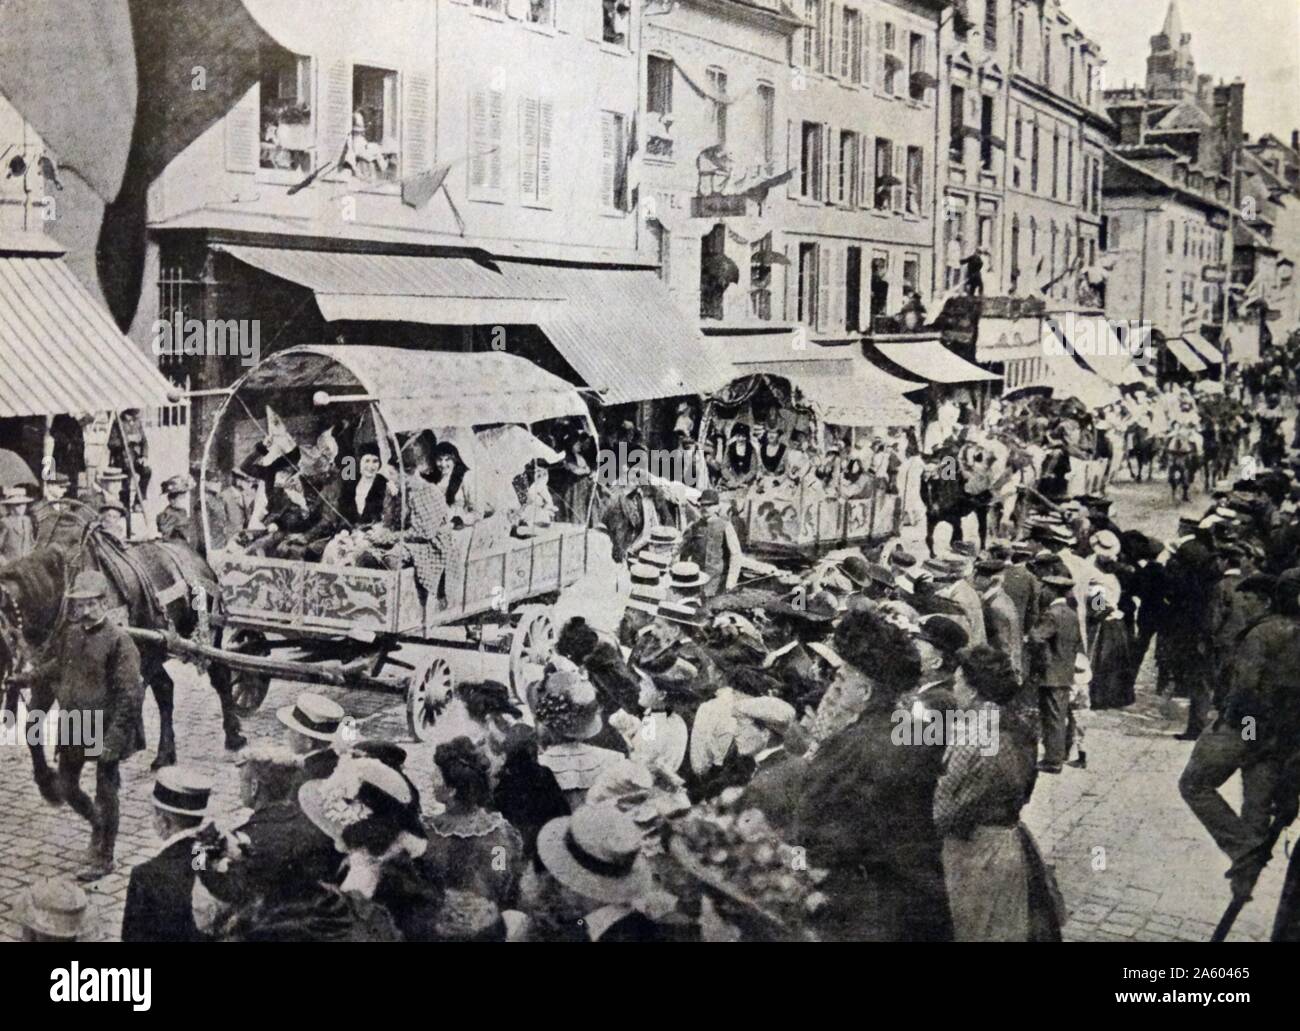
point(1295, 140)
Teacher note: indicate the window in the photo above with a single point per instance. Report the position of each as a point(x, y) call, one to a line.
point(541, 12)
point(659, 85)
point(986, 133)
point(374, 117)
point(1087, 194)
point(1087, 80)
point(853, 289)
point(1056, 160)
point(911, 271)
point(1015, 249)
point(1033, 160)
point(889, 59)
point(917, 77)
point(809, 284)
point(760, 278)
point(486, 133)
point(663, 248)
point(536, 139)
point(851, 62)
point(767, 121)
point(613, 162)
point(1069, 170)
point(850, 173)
point(915, 179)
point(1033, 237)
point(287, 129)
point(956, 125)
point(954, 238)
point(614, 21)
point(1171, 233)
point(990, 25)
point(830, 47)
point(879, 283)
point(715, 267)
point(1020, 137)
point(1051, 256)
point(1187, 233)
point(810, 161)
point(812, 38)
point(496, 6)
point(1047, 59)
point(1096, 186)
point(885, 179)
point(718, 102)
point(1020, 40)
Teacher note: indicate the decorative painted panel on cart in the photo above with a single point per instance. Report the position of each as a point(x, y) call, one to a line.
point(304, 594)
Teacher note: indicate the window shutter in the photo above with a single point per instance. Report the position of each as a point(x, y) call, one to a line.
point(608, 159)
point(337, 110)
point(478, 141)
point(828, 159)
point(528, 148)
point(594, 17)
point(416, 152)
point(497, 125)
point(838, 262)
point(832, 195)
point(791, 284)
point(792, 161)
point(545, 138)
point(864, 74)
point(243, 129)
point(823, 286)
point(864, 171)
point(900, 173)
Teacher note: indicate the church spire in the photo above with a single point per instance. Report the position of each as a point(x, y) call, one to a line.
point(1173, 30)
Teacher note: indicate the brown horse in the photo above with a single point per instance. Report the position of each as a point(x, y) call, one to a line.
point(155, 585)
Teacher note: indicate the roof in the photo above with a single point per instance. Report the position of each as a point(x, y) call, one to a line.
point(60, 351)
point(1244, 236)
point(617, 327)
point(417, 389)
point(930, 360)
point(1111, 183)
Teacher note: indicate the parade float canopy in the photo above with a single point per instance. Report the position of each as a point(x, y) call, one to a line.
point(619, 328)
point(60, 351)
point(1004, 340)
point(842, 389)
point(930, 360)
point(1243, 338)
point(1186, 357)
point(418, 389)
point(1101, 350)
point(1207, 352)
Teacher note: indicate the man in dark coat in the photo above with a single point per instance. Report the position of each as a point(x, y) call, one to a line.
point(866, 809)
point(1057, 642)
point(159, 906)
point(94, 674)
point(1192, 573)
point(712, 542)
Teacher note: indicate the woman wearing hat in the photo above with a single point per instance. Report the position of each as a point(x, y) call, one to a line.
point(471, 846)
point(998, 886)
point(739, 467)
point(567, 710)
point(17, 534)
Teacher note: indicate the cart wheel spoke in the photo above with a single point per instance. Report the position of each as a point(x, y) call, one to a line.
point(426, 694)
point(247, 689)
point(530, 648)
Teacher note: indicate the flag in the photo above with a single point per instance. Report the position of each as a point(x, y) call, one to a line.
point(50, 170)
point(320, 170)
point(418, 190)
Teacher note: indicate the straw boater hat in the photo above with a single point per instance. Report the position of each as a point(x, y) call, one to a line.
point(182, 790)
point(15, 496)
point(53, 907)
point(112, 474)
point(58, 479)
point(685, 576)
point(596, 853)
point(1106, 544)
point(683, 612)
point(89, 584)
point(312, 715)
point(647, 593)
point(567, 706)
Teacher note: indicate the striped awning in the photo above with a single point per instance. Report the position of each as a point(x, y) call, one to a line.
point(1210, 354)
point(930, 360)
point(618, 328)
point(1243, 339)
point(60, 352)
point(1184, 354)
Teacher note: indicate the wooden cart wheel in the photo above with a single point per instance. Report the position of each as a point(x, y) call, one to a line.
point(530, 648)
point(247, 690)
point(426, 693)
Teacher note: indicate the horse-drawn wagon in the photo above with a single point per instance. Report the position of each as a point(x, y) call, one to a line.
point(482, 581)
point(810, 522)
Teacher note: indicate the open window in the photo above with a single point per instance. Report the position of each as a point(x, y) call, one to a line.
point(373, 150)
point(287, 130)
point(614, 21)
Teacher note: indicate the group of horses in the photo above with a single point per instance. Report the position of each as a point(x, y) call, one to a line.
point(157, 585)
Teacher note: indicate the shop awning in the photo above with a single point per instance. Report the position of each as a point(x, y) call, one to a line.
point(1091, 338)
point(618, 328)
point(844, 389)
point(1208, 353)
point(1184, 354)
point(930, 360)
point(1005, 340)
point(60, 352)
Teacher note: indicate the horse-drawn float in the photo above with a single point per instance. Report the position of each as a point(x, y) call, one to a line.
point(330, 591)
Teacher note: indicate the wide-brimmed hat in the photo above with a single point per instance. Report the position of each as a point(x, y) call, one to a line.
point(966, 549)
point(90, 583)
point(182, 790)
point(111, 505)
point(357, 789)
point(110, 473)
point(1106, 544)
point(771, 714)
point(900, 559)
point(1061, 582)
point(683, 612)
point(944, 632)
point(822, 607)
point(943, 569)
point(857, 569)
point(647, 590)
point(567, 706)
point(709, 496)
point(664, 537)
point(990, 566)
point(57, 479)
point(15, 496)
point(312, 715)
point(596, 853)
point(685, 575)
point(177, 485)
point(53, 907)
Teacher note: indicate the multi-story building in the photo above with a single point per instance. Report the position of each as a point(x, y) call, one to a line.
point(456, 175)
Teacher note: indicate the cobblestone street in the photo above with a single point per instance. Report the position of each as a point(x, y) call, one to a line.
point(1131, 860)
